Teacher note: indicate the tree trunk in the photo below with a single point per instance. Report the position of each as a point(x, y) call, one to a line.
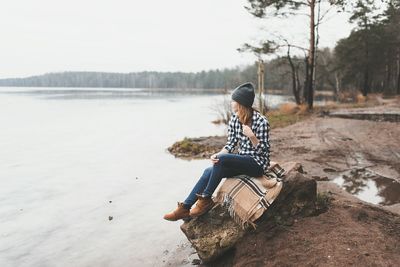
point(261, 85)
point(398, 71)
point(337, 86)
point(365, 90)
point(387, 83)
point(305, 86)
point(293, 73)
point(298, 83)
point(311, 57)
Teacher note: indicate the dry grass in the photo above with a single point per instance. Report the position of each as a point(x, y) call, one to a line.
point(288, 108)
point(360, 98)
point(292, 108)
point(374, 99)
point(287, 114)
point(303, 109)
point(290, 113)
point(277, 119)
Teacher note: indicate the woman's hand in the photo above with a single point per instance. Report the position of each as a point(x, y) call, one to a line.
point(214, 158)
point(247, 131)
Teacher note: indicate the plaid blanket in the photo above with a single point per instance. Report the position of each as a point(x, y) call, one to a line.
point(246, 198)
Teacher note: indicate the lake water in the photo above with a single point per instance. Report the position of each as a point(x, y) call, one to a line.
point(70, 158)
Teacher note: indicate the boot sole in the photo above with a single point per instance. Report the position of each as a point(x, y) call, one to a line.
point(204, 212)
point(185, 219)
point(188, 219)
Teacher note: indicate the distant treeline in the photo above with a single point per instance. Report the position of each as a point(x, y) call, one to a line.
point(221, 79)
point(146, 79)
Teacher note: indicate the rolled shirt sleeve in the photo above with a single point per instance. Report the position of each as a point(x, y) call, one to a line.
point(262, 134)
point(232, 138)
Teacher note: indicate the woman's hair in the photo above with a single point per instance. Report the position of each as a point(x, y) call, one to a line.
point(245, 114)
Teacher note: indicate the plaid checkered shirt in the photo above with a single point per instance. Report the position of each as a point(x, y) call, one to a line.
point(260, 127)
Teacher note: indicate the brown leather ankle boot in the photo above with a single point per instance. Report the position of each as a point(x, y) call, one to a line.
point(179, 213)
point(203, 205)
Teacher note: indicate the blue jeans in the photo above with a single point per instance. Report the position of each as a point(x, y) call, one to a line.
point(228, 165)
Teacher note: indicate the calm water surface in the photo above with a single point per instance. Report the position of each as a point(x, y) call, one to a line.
point(70, 158)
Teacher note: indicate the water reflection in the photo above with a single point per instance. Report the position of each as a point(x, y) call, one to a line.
point(167, 94)
point(370, 187)
point(109, 93)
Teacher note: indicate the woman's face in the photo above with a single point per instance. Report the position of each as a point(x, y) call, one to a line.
point(234, 106)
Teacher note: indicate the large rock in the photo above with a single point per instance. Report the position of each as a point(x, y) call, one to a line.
point(216, 232)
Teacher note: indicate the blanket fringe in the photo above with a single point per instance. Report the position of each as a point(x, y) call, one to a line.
point(234, 210)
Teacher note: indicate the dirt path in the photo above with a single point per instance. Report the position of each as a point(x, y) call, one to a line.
point(326, 146)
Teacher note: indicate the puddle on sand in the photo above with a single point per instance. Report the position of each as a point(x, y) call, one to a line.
point(370, 187)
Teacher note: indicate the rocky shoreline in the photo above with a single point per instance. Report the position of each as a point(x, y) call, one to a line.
point(198, 147)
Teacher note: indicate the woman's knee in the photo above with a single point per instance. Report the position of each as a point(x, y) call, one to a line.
point(228, 159)
point(223, 158)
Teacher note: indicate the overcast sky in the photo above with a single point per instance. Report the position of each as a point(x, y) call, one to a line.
point(129, 35)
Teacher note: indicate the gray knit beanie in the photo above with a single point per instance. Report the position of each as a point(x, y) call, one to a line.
point(244, 94)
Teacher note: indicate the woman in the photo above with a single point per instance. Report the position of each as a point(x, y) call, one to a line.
point(246, 126)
